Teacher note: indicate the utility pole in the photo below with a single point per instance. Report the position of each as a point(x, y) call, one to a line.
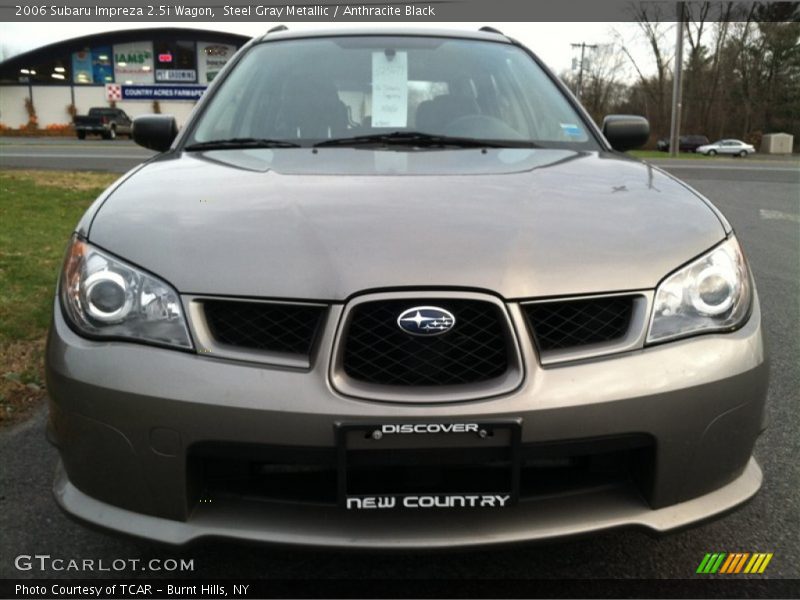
point(583, 46)
point(675, 126)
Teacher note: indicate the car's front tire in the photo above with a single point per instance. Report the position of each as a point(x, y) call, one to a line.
point(711, 153)
point(81, 135)
point(743, 153)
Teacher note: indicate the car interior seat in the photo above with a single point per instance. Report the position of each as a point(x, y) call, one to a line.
point(312, 109)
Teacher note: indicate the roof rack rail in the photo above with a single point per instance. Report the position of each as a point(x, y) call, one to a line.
point(488, 29)
point(277, 28)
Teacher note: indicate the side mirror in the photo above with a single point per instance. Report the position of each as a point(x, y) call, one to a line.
point(156, 132)
point(626, 132)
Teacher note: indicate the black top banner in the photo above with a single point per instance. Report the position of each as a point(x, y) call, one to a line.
point(388, 12)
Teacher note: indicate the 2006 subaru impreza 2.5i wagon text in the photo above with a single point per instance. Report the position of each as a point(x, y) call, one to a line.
point(397, 290)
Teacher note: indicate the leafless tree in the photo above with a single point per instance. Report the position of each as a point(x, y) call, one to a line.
point(603, 85)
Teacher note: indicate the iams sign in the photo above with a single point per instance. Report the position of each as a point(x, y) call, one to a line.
point(133, 57)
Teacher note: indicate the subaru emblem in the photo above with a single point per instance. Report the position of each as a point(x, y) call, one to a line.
point(426, 320)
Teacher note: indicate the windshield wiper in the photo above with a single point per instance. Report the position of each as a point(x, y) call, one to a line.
point(423, 140)
point(237, 143)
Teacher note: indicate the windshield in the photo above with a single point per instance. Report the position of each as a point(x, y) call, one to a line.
point(313, 90)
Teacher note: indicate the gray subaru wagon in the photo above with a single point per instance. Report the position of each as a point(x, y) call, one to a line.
point(396, 289)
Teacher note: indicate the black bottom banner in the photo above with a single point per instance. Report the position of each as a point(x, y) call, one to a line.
point(410, 588)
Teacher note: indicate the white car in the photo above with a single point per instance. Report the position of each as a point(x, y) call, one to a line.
point(732, 147)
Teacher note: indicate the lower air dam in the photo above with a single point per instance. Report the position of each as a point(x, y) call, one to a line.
point(438, 501)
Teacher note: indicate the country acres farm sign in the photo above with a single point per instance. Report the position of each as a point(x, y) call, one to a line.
point(118, 91)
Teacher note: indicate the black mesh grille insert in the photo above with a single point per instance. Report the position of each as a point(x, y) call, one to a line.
point(378, 351)
point(287, 328)
point(570, 323)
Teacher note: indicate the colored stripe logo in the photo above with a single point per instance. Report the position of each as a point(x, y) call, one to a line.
point(734, 563)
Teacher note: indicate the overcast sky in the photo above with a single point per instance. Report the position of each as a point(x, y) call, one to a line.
point(551, 41)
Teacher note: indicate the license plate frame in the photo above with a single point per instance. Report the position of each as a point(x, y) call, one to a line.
point(342, 431)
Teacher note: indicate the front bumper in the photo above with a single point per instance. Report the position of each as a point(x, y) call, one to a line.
point(126, 417)
point(551, 518)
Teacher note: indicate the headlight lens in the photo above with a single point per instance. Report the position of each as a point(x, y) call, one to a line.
point(713, 293)
point(104, 297)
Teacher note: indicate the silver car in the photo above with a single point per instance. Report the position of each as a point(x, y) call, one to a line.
point(728, 147)
point(398, 290)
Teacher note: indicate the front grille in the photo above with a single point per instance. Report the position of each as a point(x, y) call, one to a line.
point(377, 351)
point(571, 323)
point(273, 327)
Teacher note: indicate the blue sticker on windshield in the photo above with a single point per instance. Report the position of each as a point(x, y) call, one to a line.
point(571, 130)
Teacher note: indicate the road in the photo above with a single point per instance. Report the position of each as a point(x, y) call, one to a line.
point(762, 201)
point(120, 155)
point(71, 154)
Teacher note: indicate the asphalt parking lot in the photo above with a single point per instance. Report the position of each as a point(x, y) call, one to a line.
point(762, 201)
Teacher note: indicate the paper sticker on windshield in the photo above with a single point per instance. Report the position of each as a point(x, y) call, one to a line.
point(389, 89)
point(571, 130)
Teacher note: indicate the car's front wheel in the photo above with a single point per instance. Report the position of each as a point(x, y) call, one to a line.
point(81, 135)
point(743, 153)
point(711, 153)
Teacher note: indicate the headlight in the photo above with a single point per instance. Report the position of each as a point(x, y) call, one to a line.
point(713, 293)
point(104, 297)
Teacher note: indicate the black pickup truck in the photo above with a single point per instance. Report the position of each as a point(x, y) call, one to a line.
point(107, 122)
point(686, 143)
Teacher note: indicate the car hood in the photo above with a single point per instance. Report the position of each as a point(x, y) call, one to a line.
point(331, 223)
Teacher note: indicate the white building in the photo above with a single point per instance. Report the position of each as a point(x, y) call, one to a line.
point(169, 65)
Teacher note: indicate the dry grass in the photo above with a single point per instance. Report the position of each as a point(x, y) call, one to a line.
point(21, 380)
point(72, 181)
